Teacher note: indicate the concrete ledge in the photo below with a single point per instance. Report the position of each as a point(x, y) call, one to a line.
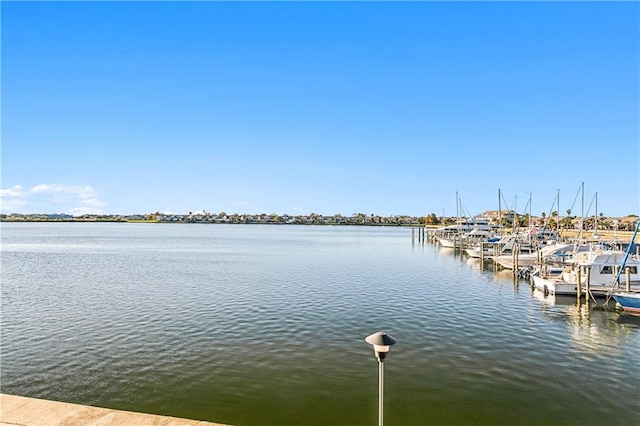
point(23, 411)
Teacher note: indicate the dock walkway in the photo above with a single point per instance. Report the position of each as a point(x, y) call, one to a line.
point(23, 411)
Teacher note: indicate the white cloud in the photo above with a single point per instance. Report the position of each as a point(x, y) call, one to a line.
point(15, 191)
point(51, 198)
point(79, 211)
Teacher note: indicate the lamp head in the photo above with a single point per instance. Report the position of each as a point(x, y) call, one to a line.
point(381, 344)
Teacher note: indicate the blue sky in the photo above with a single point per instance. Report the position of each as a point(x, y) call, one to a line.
point(386, 108)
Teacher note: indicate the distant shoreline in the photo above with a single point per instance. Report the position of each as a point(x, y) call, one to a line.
point(400, 221)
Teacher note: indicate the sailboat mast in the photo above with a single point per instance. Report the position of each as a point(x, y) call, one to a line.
point(558, 224)
point(499, 212)
point(582, 213)
point(515, 215)
point(530, 210)
point(595, 222)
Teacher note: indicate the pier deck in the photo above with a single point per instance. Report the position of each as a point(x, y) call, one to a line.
point(23, 411)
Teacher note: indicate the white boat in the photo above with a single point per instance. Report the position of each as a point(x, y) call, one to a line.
point(484, 249)
point(532, 258)
point(450, 241)
point(487, 246)
point(468, 240)
point(600, 268)
point(465, 232)
point(551, 282)
point(597, 268)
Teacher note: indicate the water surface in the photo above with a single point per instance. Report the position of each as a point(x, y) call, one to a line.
point(265, 325)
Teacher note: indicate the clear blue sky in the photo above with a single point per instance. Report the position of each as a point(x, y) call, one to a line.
point(320, 107)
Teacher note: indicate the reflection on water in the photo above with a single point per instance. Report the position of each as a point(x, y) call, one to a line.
point(266, 325)
point(592, 326)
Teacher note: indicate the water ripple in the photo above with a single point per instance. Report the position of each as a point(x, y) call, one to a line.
point(255, 325)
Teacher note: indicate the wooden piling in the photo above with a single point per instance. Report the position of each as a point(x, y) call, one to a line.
point(579, 284)
point(588, 282)
point(627, 275)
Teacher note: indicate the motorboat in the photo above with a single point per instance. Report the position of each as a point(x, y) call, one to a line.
point(515, 257)
point(600, 269)
point(465, 233)
point(595, 269)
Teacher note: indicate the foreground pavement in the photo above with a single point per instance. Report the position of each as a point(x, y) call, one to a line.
point(23, 411)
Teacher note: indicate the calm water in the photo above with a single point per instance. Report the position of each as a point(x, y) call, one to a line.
point(265, 325)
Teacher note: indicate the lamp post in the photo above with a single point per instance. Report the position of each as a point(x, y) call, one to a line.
point(381, 343)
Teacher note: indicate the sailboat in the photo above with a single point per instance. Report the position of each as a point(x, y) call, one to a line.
point(627, 299)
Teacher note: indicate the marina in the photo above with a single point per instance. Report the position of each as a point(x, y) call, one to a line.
point(570, 265)
point(263, 324)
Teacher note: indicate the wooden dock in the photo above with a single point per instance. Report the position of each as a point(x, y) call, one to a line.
point(23, 411)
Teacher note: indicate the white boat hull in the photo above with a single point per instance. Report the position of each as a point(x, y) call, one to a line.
point(507, 261)
point(449, 242)
point(554, 286)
